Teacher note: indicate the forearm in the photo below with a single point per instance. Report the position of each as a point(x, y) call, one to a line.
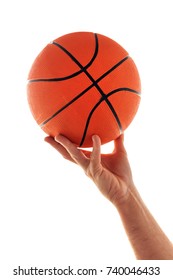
point(146, 237)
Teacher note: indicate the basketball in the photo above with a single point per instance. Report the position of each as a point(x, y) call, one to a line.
point(83, 84)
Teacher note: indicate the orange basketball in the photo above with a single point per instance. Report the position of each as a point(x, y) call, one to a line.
point(83, 84)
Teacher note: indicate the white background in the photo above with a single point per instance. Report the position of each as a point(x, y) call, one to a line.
point(51, 214)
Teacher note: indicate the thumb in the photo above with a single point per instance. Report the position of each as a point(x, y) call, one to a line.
point(119, 145)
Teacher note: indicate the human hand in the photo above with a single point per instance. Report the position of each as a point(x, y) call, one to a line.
point(110, 172)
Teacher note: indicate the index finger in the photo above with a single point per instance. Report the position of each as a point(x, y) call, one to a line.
point(76, 154)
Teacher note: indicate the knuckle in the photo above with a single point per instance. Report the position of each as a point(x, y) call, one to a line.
point(94, 172)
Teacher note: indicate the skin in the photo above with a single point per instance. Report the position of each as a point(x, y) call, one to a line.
point(112, 175)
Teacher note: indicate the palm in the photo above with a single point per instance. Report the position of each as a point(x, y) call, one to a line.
point(114, 176)
point(111, 172)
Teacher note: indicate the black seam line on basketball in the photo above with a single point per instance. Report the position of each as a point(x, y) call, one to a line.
point(83, 92)
point(93, 81)
point(89, 118)
point(72, 75)
point(98, 103)
point(124, 89)
point(113, 68)
point(65, 106)
point(56, 79)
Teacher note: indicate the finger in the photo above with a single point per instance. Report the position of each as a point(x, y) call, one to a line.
point(119, 145)
point(95, 158)
point(59, 148)
point(76, 154)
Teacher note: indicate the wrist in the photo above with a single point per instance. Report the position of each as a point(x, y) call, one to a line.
point(130, 200)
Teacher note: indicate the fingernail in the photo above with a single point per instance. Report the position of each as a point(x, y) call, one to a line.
point(58, 138)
